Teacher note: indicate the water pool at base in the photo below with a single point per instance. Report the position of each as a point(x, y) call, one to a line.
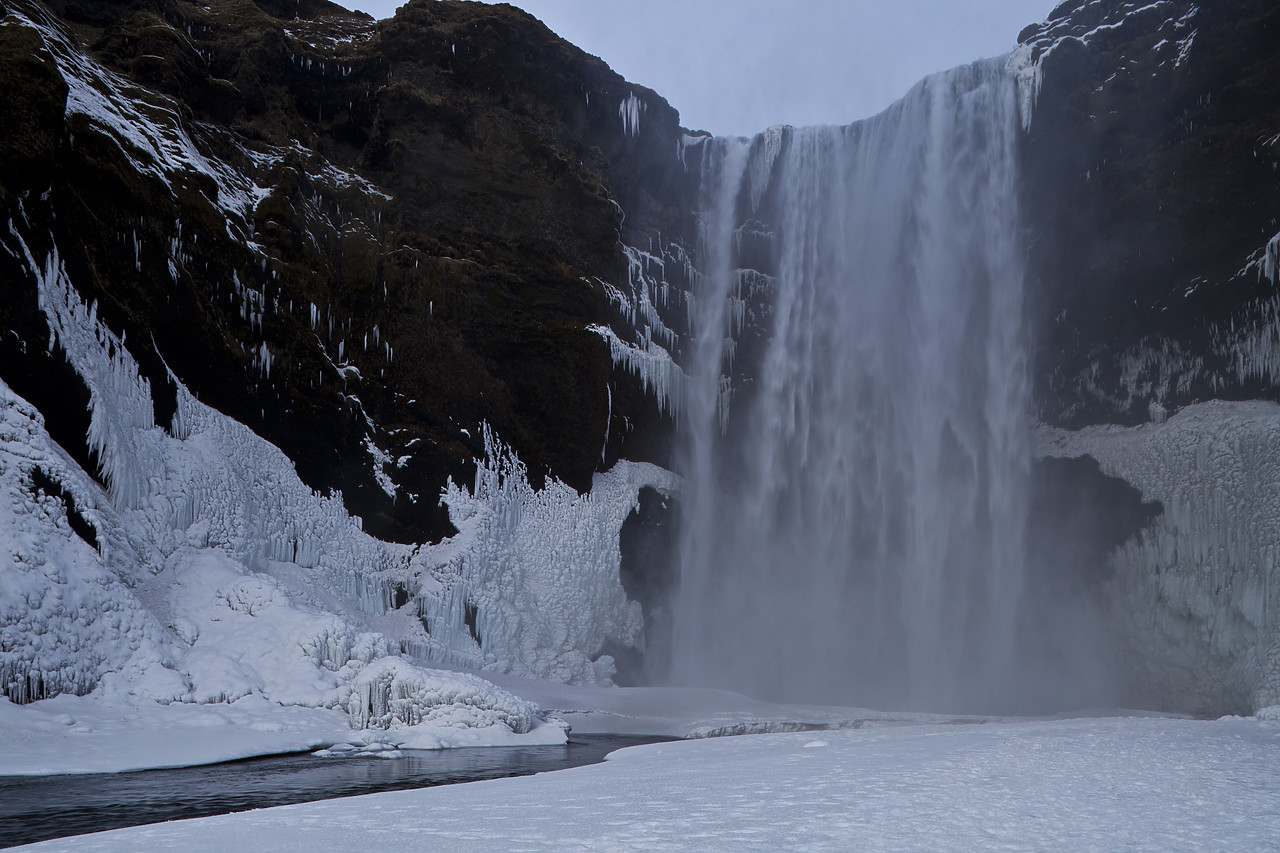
point(36, 808)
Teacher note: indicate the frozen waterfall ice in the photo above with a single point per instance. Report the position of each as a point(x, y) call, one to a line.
point(856, 442)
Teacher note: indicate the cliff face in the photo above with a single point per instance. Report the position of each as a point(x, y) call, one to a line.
point(1152, 173)
point(360, 239)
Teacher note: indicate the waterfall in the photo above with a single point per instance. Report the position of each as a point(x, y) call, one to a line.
point(856, 443)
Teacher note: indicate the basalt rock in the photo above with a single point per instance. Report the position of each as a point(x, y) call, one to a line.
point(1151, 192)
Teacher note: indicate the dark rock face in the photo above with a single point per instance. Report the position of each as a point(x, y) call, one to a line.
point(357, 235)
point(1152, 187)
point(648, 543)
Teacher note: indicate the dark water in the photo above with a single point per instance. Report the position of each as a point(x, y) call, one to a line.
point(42, 807)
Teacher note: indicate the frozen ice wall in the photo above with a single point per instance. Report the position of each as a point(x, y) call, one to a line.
point(856, 487)
point(1195, 597)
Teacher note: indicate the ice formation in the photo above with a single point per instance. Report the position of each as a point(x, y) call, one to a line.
point(553, 553)
point(641, 340)
point(393, 693)
point(1271, 265)
point(67, 613)
point(652, 364)
point(1197, 594)
point(630, 111)
point(265, 587)
point(1250, 342)
point(255, 584)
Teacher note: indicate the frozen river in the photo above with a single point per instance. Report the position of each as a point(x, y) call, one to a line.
point(35, 809)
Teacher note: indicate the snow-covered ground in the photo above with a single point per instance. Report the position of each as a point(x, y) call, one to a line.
point(93, 734)
point(1083, 784)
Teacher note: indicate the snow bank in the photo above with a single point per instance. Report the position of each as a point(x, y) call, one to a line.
point(1089, 784)
point(113, 730)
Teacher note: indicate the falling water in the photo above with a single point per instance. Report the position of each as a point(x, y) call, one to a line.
point(856, 443)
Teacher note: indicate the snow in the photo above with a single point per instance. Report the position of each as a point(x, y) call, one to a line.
point(119, 727)
point(113, 730)
point(66, 611)
point(148, 128)
point(1083, 784)
point(393, 704)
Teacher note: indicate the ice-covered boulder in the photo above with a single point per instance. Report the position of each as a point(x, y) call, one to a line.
point(393, 693)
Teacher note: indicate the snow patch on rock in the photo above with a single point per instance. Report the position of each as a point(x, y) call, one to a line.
point(1163, 26)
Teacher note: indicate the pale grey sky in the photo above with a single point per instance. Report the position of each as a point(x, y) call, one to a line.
point(738, 66)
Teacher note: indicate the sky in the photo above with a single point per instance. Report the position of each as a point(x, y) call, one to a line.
point(739, 66)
